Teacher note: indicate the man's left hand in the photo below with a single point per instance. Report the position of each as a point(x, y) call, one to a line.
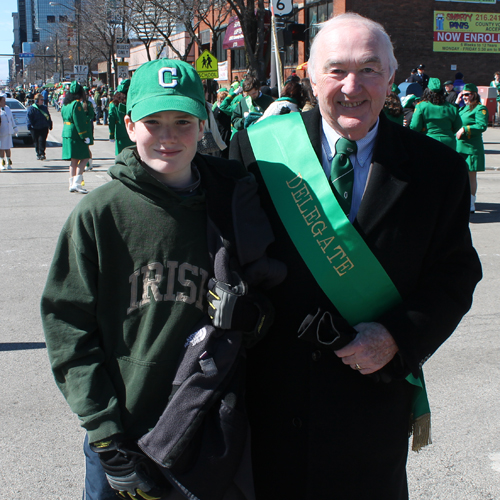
point(372, 348)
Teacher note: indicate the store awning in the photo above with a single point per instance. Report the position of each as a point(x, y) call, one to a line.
point(234, 38)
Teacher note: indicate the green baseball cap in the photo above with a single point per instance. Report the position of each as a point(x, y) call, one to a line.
point(434, 84)
point(165, 85)
point(395, 89)
point(470, 87)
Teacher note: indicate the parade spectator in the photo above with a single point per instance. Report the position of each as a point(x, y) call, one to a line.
point(105, 108)
point(496, 83)
point(252, 106)
point(436, 117)
point(322, 426)
point(45, 95)
point(413, 78)
point(76, 136)
point(450, 93)
point(223, 120)
point(470, 136)
point(458, 83)
point(422, 77)
point(39, 123)
point(8, 128)
point(116, 118)
point(98, 104)
point(393, 108)
point(309, 99)
point(291, 101)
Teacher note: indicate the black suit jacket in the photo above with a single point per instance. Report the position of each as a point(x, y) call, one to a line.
point(414, 217)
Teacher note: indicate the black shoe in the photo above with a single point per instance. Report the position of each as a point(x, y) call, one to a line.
point(42, 157)
point(38, 157)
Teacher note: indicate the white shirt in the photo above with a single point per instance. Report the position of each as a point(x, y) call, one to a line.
point(361, 161)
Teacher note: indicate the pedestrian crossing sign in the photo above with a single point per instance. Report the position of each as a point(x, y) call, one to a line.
point(207, 66)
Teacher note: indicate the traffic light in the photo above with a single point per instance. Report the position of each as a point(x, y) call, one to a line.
point(297, 32)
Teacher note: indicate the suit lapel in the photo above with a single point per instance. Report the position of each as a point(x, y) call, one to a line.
point(312, 122)
point(387, 180)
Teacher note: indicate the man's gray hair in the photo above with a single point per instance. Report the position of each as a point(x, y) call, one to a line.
point(350, 18)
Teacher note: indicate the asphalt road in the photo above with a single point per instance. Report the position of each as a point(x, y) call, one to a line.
point(40, 439)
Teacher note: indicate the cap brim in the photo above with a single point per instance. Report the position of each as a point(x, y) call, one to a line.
point(149, 106)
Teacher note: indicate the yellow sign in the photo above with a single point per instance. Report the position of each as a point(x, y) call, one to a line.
point(476, 32)
point(207, 66)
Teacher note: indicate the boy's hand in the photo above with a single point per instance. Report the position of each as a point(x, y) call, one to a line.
point(129, 471)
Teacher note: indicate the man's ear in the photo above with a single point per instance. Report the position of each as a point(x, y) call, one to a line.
point(391, 81)
point(130, 126)
point(313, 85)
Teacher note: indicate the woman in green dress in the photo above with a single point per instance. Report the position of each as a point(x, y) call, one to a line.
point(76, 136)
point(469, 138)
point(496, 84)
point(116, 119)
point(435, 117)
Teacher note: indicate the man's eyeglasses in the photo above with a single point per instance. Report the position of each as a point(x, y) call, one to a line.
point(466, 95)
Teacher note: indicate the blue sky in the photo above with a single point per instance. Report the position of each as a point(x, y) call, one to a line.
point(7, 7)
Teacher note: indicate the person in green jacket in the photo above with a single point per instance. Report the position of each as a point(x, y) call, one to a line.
point(496, 83)
point(116, 119)
point(435, 117)
point(128, 281)
point(252, 106)
point(76, 136)
point(470, 136)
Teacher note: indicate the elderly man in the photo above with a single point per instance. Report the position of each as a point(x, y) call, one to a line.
point(386, 252)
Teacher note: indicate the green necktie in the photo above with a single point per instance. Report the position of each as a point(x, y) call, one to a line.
point(342, 172)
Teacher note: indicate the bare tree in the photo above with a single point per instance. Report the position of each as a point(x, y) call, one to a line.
point(98, 39)
point(144, 19)
point(252, 16)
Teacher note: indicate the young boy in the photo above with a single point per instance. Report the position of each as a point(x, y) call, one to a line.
point(129, 277)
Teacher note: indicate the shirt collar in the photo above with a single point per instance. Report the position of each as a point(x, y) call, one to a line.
point(365, 145)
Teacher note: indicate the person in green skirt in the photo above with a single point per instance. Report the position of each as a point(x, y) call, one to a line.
point(76, 136)
point(496, 83)
point(435, 117)
point(469, 138)
point(116, 119)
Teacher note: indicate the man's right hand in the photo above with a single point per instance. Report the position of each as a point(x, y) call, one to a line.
point(129, 471)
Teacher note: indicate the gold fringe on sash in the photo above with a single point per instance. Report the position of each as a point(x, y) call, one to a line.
point(421, 430)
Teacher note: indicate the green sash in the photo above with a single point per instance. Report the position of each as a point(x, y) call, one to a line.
point(47, 117)
point(335, 253)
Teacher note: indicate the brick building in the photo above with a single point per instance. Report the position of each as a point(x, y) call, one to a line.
point(412, 27)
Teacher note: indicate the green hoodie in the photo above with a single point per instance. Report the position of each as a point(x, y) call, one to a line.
point(126, 286)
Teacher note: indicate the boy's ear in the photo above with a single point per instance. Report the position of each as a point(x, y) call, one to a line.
point(130, 126)
point(202, 129)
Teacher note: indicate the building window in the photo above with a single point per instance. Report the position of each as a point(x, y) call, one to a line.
point(317, 14)
point(51, 19)
point(292, 54)
point(221, 53)
point(239, 59)
point(205, 37)
point(63, 19)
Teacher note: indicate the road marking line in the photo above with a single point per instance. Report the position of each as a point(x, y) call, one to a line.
point(495, 458)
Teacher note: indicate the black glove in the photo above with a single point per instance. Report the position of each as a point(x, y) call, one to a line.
point(129, 471)
point(234, 308)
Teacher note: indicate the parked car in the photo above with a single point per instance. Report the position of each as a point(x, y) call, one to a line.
point(20, 114)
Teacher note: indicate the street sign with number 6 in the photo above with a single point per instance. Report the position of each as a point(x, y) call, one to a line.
point(282, 7)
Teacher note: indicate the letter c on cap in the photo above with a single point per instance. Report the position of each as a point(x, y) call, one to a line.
point(161, 78)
